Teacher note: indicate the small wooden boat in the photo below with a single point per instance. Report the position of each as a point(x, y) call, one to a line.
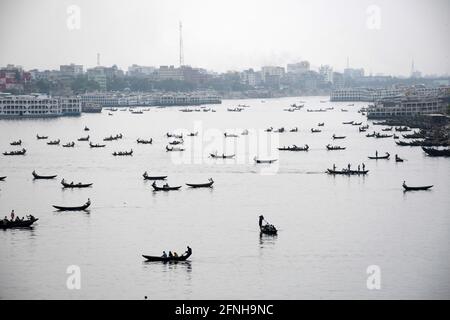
point(142, 141)
point(165, 187)
point(41, 137)
point(432, 152)
point(171, 135)
point(2, 178)
point(84, 138)
point(338, 137)
point(321, 124)
point(356, 123)
point(398, 159)
point(75, 185)
point(15, 153)
point(169, 149)
point(69, 145)
point(54, 142)
point(222, 156)
point(371, 135)
point(280, 130)
point(379, 135)
point(361, 129)
point(245, 132)
point(175, 142)
point(269, 129)
point(36, 176)
point(294, 129)
point(86, 128)
point(97, 145)
point(193, 134)
point(347, 172)
point(402, 129)
point(16, 143)
point(123, 153)
point(294, 148)
point(18, 223)
point(348, 122)
point(266, 228)
point(79, 208)
point(315, 130)
point(415, 188)
point(387, 129)
point(264, 161)
point(183, 257)
point(331, 148)
point(230, 135)
point(380, 157)
point(201, 185)
point(147, 177)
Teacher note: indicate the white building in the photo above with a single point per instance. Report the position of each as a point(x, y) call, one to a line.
point(271, 71)
point(169, 73)
point(326, 72)
point(298, 68)
point(406, 107)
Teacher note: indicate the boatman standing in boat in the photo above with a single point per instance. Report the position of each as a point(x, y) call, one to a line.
point(12, 215)
point(188, 251)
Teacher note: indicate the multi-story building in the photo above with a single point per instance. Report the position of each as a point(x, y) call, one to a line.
point(71, 70)
point(326, 72)
point(98, 75)
point(353, 73)
point(250, 77)
point(338, 80)
point(140, 71)
point(13, 78)
point(300, 67)
point(269, 73)
point(169, 73)
point(29, 106)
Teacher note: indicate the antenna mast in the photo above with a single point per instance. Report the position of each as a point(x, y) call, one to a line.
point(181, 45)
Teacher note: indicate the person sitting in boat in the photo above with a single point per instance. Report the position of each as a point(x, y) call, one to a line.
point(170, 254)
point(334, 167)
point(364, 167)
point(12, 215)
point(164, 255)
point(89, 201)
point(175, 255)
point(404, 184)
point(166, 185)
point(376, 153)
point(5, 220)
point(348, 166)
point(188, 251)
point(359, 167)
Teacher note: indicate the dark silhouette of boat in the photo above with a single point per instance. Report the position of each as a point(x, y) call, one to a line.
point(415, 188)
point(338, 137)
point(142, 141)
point(36, 176)
point(387, 129)
point(183, 257)
point(79, 208)
point(266, 228)
point(294, 129)
point(379, 135)
point(165, 187)
point(171, 135)
point(84, 138)
point(123, 153)
point(315, 130)
point(6, 224)
point(264, 161)
point(432, 152)
point(54, 142)
point(294, 148)
point(402, 129)
point(222, 156)
point(380, 157)
point(176, 142)
point(371, 135)
point(230, 135)
point(398, 159)
point(168, 149)
point(86, 128)
point(414, 135)
point(75, 185)
point(2, 178)
point(41, 137)
point(16, 143)
point(321, 124)
point(69, 145)
point(147, 177)
point(96, 145)
point(201, 185)
point(331, 148)
point(15, 153)
point(347, 172)
point(348, 122)
point(193, 134)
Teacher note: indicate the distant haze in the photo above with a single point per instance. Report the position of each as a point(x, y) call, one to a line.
point(379, 36)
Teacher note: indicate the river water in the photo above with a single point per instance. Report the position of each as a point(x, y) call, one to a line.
point(332, 229)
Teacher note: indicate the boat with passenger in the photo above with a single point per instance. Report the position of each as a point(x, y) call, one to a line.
point(16, 143)
point(264, 160)
point(407, 188)
point(165, 187)
point(83, 138)
point(166, 258)
point(41, 137)
point(123, 153)
point(18, 223)
point(147, 177)
point(377, 157)
point(72, 185)
point(331, 148)
point(69, 145)
point(201, 185)
point(265, 227)
point(54, 142)
point(143, 141)
point(15, 153)
point(77, 208)
point(222, 156)
point(294, 148)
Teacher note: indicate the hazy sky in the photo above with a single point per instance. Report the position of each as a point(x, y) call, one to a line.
point(380, 36)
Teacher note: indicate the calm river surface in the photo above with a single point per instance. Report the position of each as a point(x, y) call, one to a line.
point(331, 228)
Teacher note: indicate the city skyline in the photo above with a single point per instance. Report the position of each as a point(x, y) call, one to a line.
point(249, 35)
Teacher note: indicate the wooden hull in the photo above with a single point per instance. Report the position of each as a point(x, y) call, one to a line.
point(436, 152)
point(416, 188)
point(155, 177)
point(348, 173)
point(2, 178)
point(221, 157)
point(200, 185)
point(80, 208)
point(17, 224)
point(72, 186)
point(172, 259)
point(36, 176)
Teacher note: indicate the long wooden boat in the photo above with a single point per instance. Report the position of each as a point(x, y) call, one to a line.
point(54, 143)
point(331, 148)
point(41, 137)
point(402, 129)
point(142, 141)
point(123, 153)
point(79, 208)
point(15, 153)
point(387, 129)
point(2, 178)
point(84, 138)
point(165, 187)
point(379, 135)
point(321, 124)
point(69, 145)
point(230, 135)
point(201, 185)
point(16, 143)
point(172, 135)
point(348, 122)
point(183, 257)
point(147, 177)
point(380, 157)
point(173, 149)
point(96, 145)
point(415, 188)
point(75, 185)
point(264, 161)
point(17, 224)
point(315, 130)
point(294, 148)
point(347, 172)
point(36, 176)
point(432, 152)
point(222, 156)
point(414, 135)
point(338, 137)
point(176, 142)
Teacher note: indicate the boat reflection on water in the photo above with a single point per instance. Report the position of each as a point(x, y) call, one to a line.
point(266, 240)
point(169, 266)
